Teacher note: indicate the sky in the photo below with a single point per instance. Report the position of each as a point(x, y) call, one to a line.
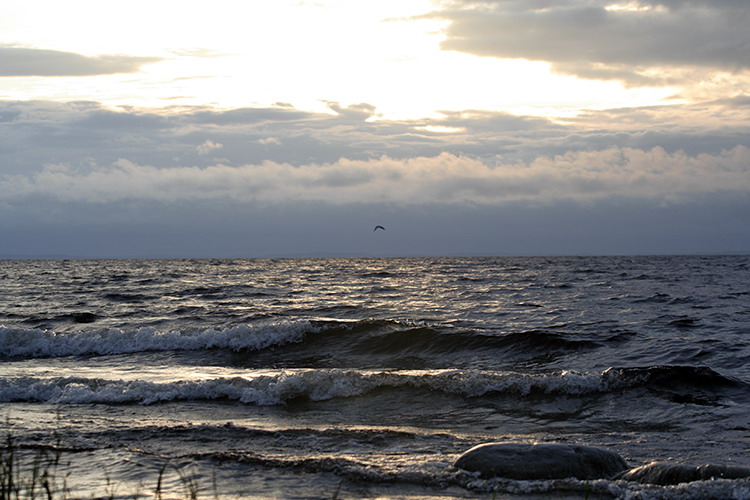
point(275, 128)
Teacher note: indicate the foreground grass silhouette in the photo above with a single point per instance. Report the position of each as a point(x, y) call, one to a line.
point(39, 473)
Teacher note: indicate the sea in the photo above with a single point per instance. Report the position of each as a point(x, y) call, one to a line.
point(368, 377)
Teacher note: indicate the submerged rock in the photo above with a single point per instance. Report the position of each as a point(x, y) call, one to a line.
point(541, 461)
point(664, 473)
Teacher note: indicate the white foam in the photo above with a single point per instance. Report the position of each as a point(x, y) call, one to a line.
point(738, 489)
point(21, 342)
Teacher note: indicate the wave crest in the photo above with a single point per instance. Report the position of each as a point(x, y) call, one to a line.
point(33, 343)
point(281, 387)
point(319, 385)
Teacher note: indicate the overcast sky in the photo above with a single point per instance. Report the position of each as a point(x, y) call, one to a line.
point(292, 128)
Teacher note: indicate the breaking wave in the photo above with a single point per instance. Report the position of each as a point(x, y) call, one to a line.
point(366, 337)
point(20, 342)
point(319, 385)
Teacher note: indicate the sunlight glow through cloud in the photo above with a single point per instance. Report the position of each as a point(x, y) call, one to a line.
point(632, 7)
point(303, 53)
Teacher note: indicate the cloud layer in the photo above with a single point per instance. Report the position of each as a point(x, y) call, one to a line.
point(83, 179)
point(22, 61)
point(444, 179)
point(653, 42)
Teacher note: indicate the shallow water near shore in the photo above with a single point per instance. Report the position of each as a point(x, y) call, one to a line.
point(367, 378)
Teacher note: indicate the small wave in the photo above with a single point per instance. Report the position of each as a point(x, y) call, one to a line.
point(425, 340)
point(82, 317)
point(684, 322)
point(671, 376)
point(657, 298)
point(20, 342)
point(377, 274)
point(127, 297)
point(201, 291)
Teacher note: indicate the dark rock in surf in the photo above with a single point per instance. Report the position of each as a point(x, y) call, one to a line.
point(559, 461)
point(541, 461)
point(664, 473)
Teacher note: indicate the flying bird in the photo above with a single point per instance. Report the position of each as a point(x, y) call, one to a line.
point(379, 227)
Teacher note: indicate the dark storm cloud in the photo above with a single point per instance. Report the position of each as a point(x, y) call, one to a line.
point(605, 39)
point(21, 61)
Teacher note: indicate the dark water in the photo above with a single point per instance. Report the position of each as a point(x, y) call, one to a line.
point(352, 378)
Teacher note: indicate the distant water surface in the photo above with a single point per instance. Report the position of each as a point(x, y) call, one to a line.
point(353, 378)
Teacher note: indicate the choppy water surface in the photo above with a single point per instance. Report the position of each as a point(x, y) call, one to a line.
point(351, 378)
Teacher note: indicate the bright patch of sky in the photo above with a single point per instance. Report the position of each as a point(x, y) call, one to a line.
point(233, 54)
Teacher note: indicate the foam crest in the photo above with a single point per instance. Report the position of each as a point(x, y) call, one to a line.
point(19, 342)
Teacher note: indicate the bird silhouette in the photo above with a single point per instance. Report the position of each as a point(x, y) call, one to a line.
point(379, 227)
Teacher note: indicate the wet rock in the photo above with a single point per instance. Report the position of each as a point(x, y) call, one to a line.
point(541, 461)
point(664, 473)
